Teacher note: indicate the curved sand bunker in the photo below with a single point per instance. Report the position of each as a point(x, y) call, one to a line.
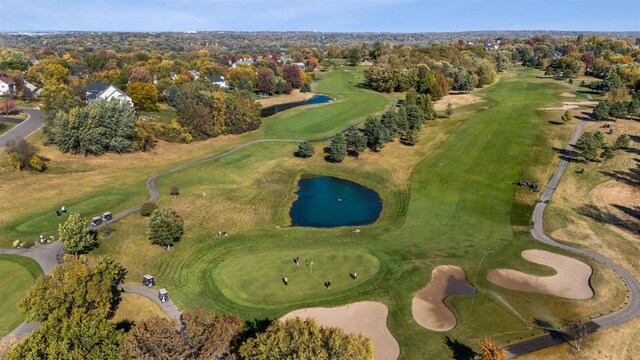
point(428, 306)
point(366, 317)
point(571, 280)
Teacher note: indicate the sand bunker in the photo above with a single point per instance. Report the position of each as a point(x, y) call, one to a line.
point(456, 101)
point(568, 94)
point(570, 105)
point(428, 306)
point(366, 317)
point(571, 280)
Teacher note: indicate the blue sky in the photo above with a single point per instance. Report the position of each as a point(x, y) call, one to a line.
point(319, 15)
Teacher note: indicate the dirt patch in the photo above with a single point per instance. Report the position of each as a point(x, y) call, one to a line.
point(571, 280)
point(295, 96)
point(456, 101)
point(568, 94)
point(428, 306)
point(366, 317)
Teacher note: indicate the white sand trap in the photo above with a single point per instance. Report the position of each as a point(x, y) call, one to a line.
point(570, 105)
point(428, 306)
point(571, 280)
point(366, 317)
point(568, 94)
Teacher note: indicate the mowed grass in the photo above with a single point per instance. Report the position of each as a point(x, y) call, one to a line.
point(447, 200)
point(256, 279)
point(5, 126)
point(18, 274)
point(164, 115)
point(351, 104)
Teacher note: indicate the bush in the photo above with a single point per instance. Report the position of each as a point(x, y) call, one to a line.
point(148, 208)
point(37, 163)
point(23, 155)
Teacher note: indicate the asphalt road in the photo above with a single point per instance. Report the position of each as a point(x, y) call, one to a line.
point(632, 309)
point(34, 121)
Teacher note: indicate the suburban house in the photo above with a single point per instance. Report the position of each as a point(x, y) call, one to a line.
point(299, 64)
point(243, 61)
point(219, 80)
point(7, 86)
point(99, 90)
point(196, 74)
point(173, 75)
point(92, 91)
point(35, 91)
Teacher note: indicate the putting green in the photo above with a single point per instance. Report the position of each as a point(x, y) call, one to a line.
point(256, 279)
point(22, 271)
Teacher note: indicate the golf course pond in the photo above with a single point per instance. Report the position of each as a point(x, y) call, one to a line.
point(326, 201)
point(316, 99)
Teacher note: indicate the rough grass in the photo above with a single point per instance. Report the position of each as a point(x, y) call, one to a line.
point(18, 274)
point(164, 115)
point(137, 308)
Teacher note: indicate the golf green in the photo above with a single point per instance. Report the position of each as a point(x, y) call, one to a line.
point(257, 278)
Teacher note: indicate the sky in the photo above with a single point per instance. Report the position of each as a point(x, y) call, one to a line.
point(319, 15)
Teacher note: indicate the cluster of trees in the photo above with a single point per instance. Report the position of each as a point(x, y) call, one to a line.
point(434, 70)
point(403, 123)
point(24, 156)
point(77, 302)
point(591, 146)
point(205, 112)
point(102, 126)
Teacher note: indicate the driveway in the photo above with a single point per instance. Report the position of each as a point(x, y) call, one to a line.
point(34, 121)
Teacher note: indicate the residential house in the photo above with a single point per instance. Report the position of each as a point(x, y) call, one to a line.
point(173, 75)
point(113, 93)
point(219, 80)
point(35, 91)
point(7, 86)
point(300, 65)
point(195, 73)
point(92, 91)
point(243, 61)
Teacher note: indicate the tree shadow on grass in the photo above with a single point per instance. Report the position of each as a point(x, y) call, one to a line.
point(459, 350)
point(631, 177)
point(567, 155)
point(551, 329)
point(605, 216)
point(555, 122)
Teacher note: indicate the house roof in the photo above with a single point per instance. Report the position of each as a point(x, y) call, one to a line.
point(111, 91)
point(96, 87)
point(31, 87)
point(7, 80)
point(216, 79)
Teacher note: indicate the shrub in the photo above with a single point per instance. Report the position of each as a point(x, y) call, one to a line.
point(23, 155)
point(148, 208)
point(37, 163)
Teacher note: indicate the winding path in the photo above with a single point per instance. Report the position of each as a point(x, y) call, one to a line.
point(632, 309)
point(33, 122)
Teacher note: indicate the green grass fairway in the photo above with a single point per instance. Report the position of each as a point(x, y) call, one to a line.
point(21, 272)
point(256, 278)
point(351, 104)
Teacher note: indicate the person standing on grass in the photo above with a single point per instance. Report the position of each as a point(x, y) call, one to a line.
point(285, 280)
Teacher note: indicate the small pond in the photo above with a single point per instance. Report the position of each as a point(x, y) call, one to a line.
point(316, 99)
point(326, 201)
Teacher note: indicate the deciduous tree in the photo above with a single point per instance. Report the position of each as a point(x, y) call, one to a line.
point(165, 227)
point(76, 236)
point(266, 81)
point(21, 153)
point(566, 117)
point(143, 95)
point(8, 106)
point(490, 351)
point(293, 75)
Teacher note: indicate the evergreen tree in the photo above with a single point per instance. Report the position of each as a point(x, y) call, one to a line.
point(449, 110)
point(566, 117)
point(172, 95)
point(391, 120)
point(427, 108)
point(305, 150)
point(376, 133)
point(602, 110)
point(608, 153)
point(337, 150)
point(622, 141)
point(356, 141)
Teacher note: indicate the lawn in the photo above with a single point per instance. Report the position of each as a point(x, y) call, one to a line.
point(351, 104)
point(22, 271)
point(447, 200)
point(5, 126)
point(164, 115)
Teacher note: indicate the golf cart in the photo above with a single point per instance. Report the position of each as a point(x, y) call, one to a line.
point(106, 216)
point(148, 280)
point(96, 221)
point(163, 295)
